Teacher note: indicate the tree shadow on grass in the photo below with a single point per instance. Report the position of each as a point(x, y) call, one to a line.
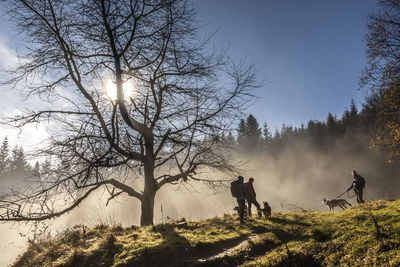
point(286, 221)
point(102, 256)
point(168, 253)
point(299, 260)
point(264, 245)
point(176, 250)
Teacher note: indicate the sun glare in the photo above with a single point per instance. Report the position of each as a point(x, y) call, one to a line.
point(111, 90)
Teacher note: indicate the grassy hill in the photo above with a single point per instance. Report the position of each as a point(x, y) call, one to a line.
point(363, 235)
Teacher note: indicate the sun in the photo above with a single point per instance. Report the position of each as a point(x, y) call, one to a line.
point(111, 90)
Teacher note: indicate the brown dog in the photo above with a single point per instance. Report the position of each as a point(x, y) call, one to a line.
point(266, 210)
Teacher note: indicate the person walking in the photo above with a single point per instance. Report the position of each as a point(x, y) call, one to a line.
point(238, 190)
point(251, 198)
point(357, 185)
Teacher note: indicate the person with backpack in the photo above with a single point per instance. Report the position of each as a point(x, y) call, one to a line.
point(238, 190)
point(251, 198)
point(357, 185)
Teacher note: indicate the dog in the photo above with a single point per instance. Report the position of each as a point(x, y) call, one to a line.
point(332, 203)
point(266, 210)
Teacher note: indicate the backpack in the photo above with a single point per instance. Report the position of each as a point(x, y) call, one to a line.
point(235, 189)
point(360, 182)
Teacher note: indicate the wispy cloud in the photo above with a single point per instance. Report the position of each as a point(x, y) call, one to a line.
point(30, 135)
point(7, 54)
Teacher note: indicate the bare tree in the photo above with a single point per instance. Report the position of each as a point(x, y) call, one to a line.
point(164, 132)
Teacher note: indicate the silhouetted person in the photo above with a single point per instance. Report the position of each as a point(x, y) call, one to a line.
point(238, 190)
point(251, 198)
point(357, 185)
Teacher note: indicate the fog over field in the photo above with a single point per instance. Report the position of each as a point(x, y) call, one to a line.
point(297, 177)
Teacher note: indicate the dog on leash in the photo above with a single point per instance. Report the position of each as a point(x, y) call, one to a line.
point(332, 203)
point(266, 210)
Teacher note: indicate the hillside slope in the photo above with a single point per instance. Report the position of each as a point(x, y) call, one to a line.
point(363, 235)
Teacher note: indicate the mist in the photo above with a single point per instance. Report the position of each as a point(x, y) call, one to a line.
point(296, 177)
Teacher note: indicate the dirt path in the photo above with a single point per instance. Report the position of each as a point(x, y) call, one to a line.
point(231, 252)
point(227, 251)
point(229, 248)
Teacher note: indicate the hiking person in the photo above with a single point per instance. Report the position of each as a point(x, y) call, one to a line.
point(357, 185)
point(238, 190)
point(251, 198)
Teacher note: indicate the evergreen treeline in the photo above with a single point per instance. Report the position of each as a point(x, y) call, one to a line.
point(14, 165)
point(353, 130)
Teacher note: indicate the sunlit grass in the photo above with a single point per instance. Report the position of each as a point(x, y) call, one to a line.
point(347, 238)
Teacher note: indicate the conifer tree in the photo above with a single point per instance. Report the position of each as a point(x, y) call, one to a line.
point(249, 134)
point(332, 126)
point(267, 136)
point(18, 164)
point(36, 169)
point(242, 134)
point(253, 132)
point(4, 154)
point(230, 138)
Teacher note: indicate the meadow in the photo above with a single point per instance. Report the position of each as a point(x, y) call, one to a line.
point(363, 235)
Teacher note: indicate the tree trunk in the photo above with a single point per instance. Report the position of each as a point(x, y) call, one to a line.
point(147, 205)
point(149, 193)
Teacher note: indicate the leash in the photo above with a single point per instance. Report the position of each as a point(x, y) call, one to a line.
point(342, 194)
point(365, 191)
point(350, 196)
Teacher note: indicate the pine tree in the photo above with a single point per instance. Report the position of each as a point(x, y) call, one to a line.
point(350, 118)
point(249, 134)
point(46, 166)
point(332, 126)
point(253, 133)
point(267, 136)
point(242, 134)
point(353, 114)
point(36, 170)
point(18, 164)
point(230, 139)
point(4, 162)
point(253, 129)
point(277, 136)
point(287, 133)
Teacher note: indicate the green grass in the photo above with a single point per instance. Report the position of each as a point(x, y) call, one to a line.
point(348, 238)
point(363, 235)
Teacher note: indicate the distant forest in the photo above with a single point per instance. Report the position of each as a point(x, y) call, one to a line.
point(354, 128)
point(354, 133)
point(14, 165)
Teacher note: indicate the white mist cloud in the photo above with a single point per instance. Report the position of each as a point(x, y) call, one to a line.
point(7, 54)
point(31, 135)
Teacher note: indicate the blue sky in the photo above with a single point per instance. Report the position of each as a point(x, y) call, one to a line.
point(311, 52)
